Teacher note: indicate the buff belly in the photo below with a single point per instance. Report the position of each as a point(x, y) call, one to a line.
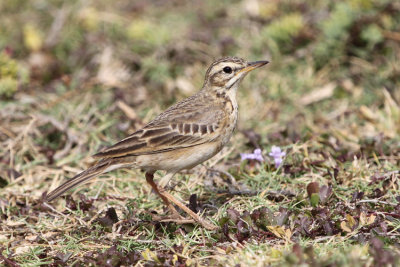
point(174, 161)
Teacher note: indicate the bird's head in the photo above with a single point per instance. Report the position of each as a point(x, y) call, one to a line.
point(226, 73)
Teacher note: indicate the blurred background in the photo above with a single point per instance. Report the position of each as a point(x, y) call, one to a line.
point(333, 57)
point(78, 75)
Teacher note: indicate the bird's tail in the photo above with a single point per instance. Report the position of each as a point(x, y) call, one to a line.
point(102, 166)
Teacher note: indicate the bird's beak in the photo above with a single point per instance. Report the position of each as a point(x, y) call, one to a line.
point(253, 65)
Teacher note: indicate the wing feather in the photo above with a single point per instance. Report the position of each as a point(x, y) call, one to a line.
point(170, 130)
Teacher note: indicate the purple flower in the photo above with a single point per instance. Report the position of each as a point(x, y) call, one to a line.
point(277, 154)
point(256, 155)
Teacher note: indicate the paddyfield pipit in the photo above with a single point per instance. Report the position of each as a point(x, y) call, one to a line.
point(185, 135)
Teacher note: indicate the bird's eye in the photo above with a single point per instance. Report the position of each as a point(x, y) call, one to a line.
point(227, 69)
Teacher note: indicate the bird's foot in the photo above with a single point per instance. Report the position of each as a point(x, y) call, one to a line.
point(177, 218)
point(195, 216)
point(183, 220)
point(174, 217)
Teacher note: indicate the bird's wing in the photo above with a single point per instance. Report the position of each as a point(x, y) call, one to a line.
point(185, 124)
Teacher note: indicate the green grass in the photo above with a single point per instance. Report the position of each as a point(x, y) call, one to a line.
point(329, 98)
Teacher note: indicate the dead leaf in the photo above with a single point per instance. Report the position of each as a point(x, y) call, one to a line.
point(50, 234)
point(14, 223)
point(280, 231)
point(149, 255)
point(368, 114)
point(351, 221)
point(128, 111)
point(319, 94)
point(366, 220)
point(345, 227)
point(23, 250)
point(324, 193)
point(112, 71)
point(349, 224)
point(185, 86)
point(4, 238)
point(31, 237)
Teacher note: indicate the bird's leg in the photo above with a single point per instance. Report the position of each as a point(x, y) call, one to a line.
point(149, 180)
point(168, 198)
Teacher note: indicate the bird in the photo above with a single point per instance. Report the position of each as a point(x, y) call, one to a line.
point(183, 136)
